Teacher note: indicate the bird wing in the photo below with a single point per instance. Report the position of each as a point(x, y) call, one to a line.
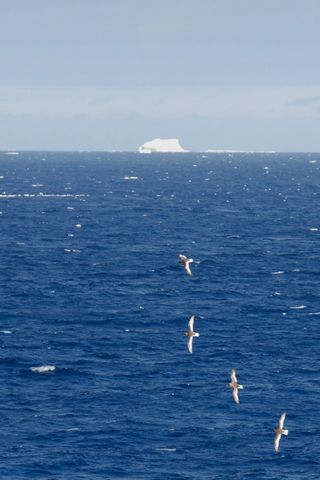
point(187, 268)
point(281, 421)
point(235, 395)
point(191, 322)
point(190, 340)
point(277, 441)
point(234, 376)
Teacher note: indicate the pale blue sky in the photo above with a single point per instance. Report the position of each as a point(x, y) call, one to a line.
point(111, 74)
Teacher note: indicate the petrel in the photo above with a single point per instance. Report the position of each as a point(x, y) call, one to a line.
point(185, 261)
point(190, 333)
point(234, 385)
point(279, 431)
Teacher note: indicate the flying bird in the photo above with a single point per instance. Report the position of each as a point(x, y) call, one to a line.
point(279, 431)
point(190, 333)
point(234, 385)
point(186, 261)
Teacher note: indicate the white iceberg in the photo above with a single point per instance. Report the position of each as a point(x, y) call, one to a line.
point(162, 145)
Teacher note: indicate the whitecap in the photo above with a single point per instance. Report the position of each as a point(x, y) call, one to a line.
point(43, 369)
point(314, 313)
point(280, 272)
point(78, 225)
point(298, 307)
point(6, 332)
point(313, 229)
point(130, 178)
point(167, 449)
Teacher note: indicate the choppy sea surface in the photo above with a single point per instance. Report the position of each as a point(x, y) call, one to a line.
point(96, 380)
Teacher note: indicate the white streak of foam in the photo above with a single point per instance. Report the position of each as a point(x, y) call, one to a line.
point(43, 369)
point(167, 449)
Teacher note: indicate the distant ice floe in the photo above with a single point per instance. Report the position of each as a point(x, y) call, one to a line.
point(239, 151)
point(44, 195)
point(43, 369)
point(12, 152)
point(162, 145)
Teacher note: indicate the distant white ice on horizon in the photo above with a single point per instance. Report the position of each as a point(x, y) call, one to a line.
point(162, 145)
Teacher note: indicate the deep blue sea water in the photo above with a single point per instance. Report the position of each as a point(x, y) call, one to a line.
point(91, 284)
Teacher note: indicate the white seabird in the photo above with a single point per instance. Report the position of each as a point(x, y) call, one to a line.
point(234, 385)
point(190, 333)
point(279, 431)
point(186, 261)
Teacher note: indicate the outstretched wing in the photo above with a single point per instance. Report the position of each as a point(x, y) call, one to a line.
point(187, 268)
point(281, 421)
point(190, 340)
point(191, 322)
point(277, 441)
point(235, 395)
point(233, 375)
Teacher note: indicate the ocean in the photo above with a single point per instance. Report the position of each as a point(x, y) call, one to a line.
point(96, 379)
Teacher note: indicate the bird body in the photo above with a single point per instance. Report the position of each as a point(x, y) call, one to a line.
point(279, 431)
point(190, 333)
point(234, 385)
point(186, 261)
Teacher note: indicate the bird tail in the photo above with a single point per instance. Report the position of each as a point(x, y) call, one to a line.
point(285, 432)
point(240, 386)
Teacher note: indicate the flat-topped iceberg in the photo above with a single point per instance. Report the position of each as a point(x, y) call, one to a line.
point(163, 145)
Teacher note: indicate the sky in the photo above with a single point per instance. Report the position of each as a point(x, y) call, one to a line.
point(113, 74)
